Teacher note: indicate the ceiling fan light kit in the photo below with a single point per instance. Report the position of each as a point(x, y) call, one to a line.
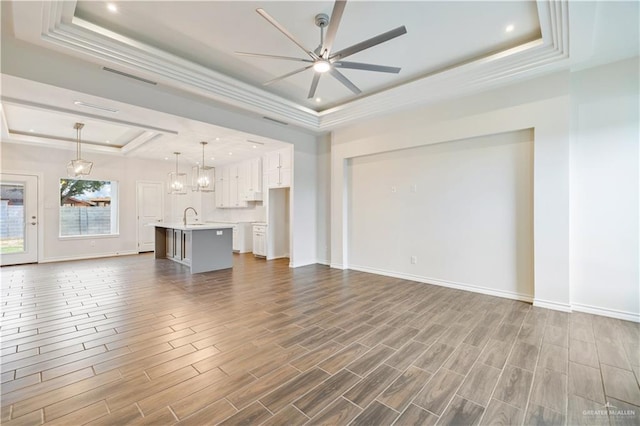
point(323, 59)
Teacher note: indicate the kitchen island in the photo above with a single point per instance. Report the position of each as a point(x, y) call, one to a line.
point(203, 247)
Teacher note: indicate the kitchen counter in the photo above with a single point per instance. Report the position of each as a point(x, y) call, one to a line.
point(203, 248)
point(191, 227)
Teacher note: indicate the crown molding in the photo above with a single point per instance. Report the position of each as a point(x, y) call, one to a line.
point(59, 27)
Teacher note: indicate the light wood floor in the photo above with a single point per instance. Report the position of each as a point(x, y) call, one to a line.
point(132, 340)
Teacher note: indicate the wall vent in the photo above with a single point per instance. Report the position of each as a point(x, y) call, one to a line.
point(144, 80)
point(276, 121)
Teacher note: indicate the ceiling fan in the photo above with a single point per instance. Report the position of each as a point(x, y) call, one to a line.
point(323, 59)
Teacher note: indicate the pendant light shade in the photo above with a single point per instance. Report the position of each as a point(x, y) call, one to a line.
point(203, 177)
point(78, 167)
point(177, 183)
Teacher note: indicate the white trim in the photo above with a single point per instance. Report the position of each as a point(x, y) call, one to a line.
point(548, 304)
point(298, 265)
point(337, 265)
point(85, 257)
point(323, 262)
point(605, 312)
point(445, 283)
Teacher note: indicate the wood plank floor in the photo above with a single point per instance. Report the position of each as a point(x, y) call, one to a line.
point(134, 340)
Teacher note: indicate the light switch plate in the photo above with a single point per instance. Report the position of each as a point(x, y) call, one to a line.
point(218, 232)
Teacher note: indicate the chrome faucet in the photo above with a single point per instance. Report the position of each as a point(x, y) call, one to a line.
point(184, 215)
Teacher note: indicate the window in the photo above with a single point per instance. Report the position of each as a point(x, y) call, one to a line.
point(88, 207)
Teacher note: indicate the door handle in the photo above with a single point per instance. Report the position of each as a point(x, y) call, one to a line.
point(34, 223)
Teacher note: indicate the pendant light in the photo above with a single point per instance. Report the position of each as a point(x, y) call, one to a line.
point(177, 183)
point(203, 177)
point(78, 167)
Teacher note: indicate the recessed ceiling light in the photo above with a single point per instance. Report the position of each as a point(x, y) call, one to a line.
point(217, 139)
point(318, 99)
point(166, 158)
point(112, 7)
point(509, 28)
point(108, 141)
point(213, 158)
point(231, 153)
point(254, 146)
point(31, 130)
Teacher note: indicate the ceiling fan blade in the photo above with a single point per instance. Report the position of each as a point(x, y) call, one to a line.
point(282, 77)
point(314, 85)
point(284, 31)
point(366, 67)
point(260, 55)
point(344, 80)
point(374, 41)
point(334, 22)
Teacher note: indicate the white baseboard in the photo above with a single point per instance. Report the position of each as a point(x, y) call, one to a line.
point(548, 304)
point(323, 262)
point(297, 265)
point(605, 312)
point(85, 257)
point(449, 284)
point(336, 265)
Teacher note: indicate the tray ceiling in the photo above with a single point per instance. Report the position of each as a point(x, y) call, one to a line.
point(451, 48)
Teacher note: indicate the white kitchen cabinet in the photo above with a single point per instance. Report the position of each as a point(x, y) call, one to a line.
point(231, 186)
point(260, 240)
point(253, 179)
point(278, 168)
point(242, 237)
point(237, 185)
point(222, 187)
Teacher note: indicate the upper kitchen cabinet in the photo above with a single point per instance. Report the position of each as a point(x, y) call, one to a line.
point(278, 168)
point(230, 186)
point(239, 183)
point(253, 180)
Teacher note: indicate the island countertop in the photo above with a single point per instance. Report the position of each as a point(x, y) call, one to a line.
point(191, 227)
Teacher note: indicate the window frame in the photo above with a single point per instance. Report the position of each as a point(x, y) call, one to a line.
point(114, 206)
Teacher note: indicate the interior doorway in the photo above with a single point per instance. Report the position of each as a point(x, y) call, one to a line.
point(19, 219)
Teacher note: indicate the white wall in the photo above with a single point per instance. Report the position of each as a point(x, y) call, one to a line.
point(51, 164)
point(463, 209)
point(586, 177)
point(605, 254)
point(541, 105)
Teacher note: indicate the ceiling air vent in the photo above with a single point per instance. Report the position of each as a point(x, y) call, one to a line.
point(276, 121)
point(144, 80)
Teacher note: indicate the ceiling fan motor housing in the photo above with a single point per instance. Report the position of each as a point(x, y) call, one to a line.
point(322, 20)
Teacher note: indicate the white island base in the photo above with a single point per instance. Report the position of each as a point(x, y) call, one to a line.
point(201, 247)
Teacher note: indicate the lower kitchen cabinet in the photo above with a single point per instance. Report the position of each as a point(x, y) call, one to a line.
point(260, 240)
point(242, 237)
point(178, 244)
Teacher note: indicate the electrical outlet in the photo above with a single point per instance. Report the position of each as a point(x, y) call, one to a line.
point(414, 188)
point(414, 260)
